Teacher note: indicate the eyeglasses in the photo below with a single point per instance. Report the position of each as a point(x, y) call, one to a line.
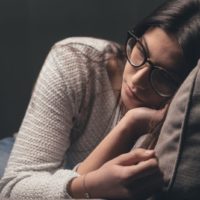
point(163, 83)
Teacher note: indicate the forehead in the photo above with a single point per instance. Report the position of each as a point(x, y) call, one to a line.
point(164, 49)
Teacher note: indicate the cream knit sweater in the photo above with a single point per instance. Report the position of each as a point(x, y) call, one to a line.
point(71, 109)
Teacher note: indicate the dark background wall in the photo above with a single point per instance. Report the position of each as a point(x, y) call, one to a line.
point(28, 28)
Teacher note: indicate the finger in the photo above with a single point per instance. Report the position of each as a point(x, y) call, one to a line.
point(158, 115)
point(166, 106)
point(134, 157)
point(144, 174)
point(142, 169)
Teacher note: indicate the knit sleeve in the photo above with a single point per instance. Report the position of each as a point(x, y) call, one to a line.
point(35, 168)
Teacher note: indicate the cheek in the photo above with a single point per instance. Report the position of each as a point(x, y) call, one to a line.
point(128, 70)
point(155, 101)
point(149, 96)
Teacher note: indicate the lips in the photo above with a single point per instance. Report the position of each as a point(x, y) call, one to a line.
point(132, 92)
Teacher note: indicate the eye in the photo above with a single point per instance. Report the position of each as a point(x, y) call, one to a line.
point(137, 55)
point(163, 82)
point(140, 48)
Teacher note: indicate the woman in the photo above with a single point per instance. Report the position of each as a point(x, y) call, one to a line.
point(83, 110)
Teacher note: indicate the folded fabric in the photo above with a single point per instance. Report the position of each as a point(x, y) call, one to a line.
point(178, 145)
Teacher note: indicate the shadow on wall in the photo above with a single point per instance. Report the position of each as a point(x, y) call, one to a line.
point(30, 27)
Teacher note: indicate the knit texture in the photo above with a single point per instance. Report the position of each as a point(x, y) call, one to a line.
point(71, 109)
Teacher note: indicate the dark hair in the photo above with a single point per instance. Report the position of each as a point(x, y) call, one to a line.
point(182, 19)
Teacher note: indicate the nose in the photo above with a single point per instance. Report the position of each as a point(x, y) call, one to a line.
point(141, 77)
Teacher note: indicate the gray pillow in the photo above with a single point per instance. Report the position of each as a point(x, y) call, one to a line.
point(178, 146)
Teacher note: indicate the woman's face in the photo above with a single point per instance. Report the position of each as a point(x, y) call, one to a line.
point(164, 51)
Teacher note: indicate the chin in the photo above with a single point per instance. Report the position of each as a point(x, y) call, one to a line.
point(130, 103)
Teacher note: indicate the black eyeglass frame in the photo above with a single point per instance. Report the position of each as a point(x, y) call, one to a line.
point(131, 34)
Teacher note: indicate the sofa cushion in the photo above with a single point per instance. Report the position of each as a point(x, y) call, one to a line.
point(178, 146)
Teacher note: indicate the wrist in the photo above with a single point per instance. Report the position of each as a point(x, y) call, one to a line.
point(74, 187)
point(77, 188)
point(133, 126)
point(91, 185)
point(126, 128)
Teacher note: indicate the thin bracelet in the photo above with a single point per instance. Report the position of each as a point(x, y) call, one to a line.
point(86, 193)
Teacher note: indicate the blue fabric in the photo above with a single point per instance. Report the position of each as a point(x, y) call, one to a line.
point(6, 145)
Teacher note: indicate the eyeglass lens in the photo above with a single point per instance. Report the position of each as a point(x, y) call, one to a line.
point(162, 82)
point(135, 52)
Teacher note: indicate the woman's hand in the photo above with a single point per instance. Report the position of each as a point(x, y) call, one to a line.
point(129, 176)
point(138, 121)
point(122, 137)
